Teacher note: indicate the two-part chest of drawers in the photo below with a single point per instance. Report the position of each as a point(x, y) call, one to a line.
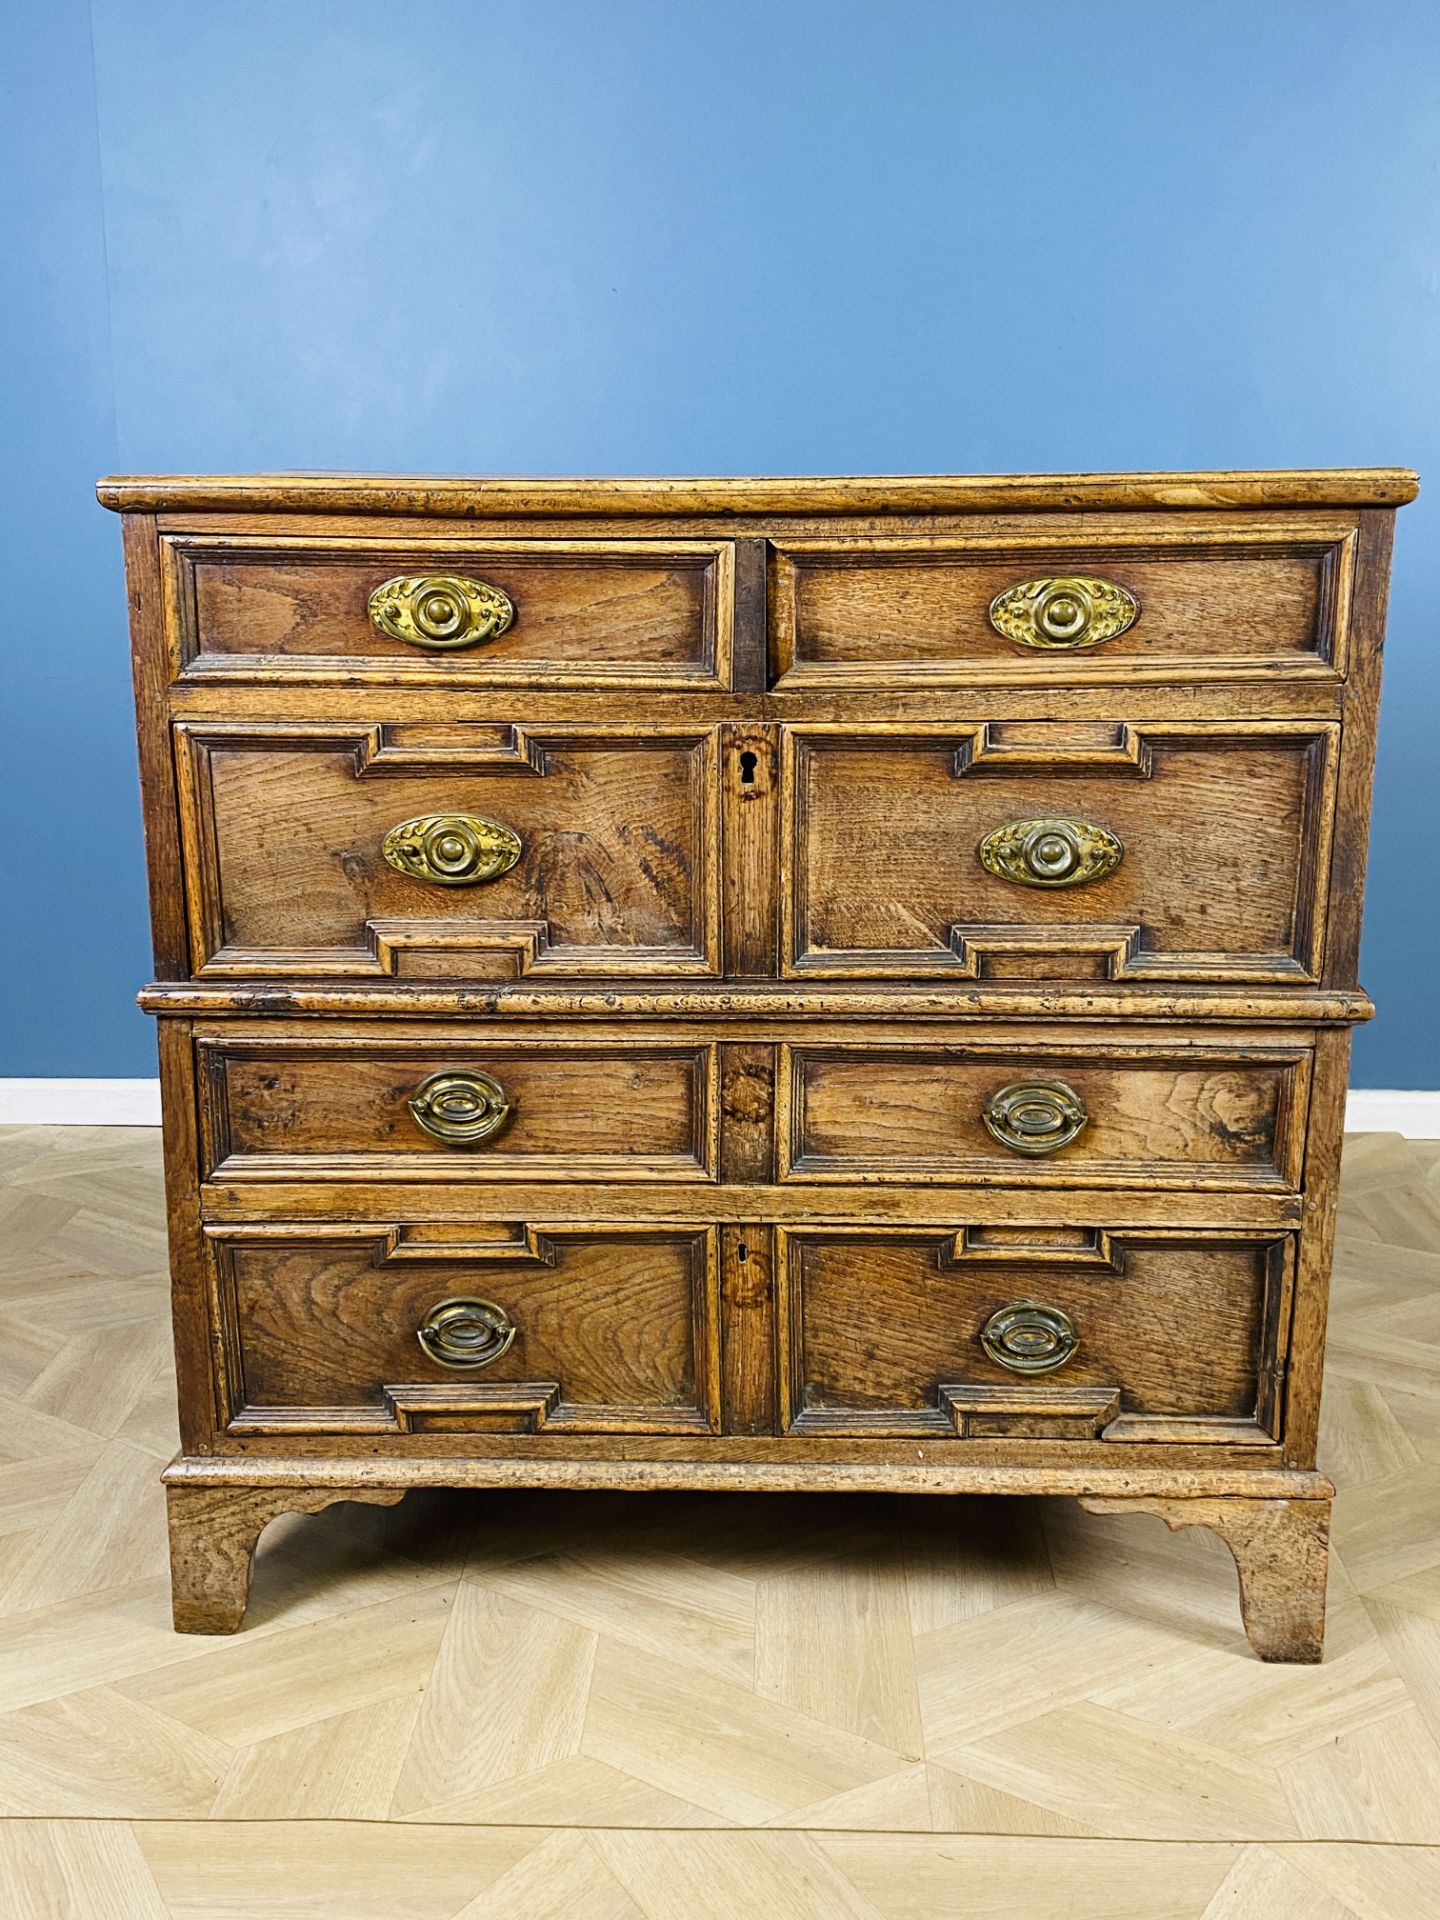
point(757, 984)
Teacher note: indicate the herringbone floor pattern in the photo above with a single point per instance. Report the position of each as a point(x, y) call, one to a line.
point(485, 1705)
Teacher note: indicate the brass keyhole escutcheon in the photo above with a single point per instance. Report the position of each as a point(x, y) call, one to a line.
point(462, 1109)
point(440, 610)
point(1029, 1337)
point(465, 1332)
point(1063, 610)
point(1035, 1117)
point(451, 849)
point(1051, 852)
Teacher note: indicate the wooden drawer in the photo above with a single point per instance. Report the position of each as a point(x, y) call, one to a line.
point(582, 613)
point(1184, 1112)
point(1059, 850)
point(455, 1106)
point(1160, 1335)
point(577, 1329)
point(328, 849)
point(1199, 603)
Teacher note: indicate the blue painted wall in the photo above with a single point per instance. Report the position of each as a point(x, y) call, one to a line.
point(631, 236)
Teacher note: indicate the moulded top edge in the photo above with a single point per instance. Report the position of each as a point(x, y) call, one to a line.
point(956, 493)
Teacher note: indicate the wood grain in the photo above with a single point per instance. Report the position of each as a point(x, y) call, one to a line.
point(1219, 877)
point(876, 1326)
point(368, 493)
point(213, 1536)
point(639, 613)
point(320, 1329)
point(324, 1107)
point(749, 988)
point(1280, 1553)
point(285, 873)
point(890, 613)
point(1203, 1119)
point(957, 1001)
point(151, 674)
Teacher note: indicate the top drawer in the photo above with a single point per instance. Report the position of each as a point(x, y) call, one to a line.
point(554, 613)
point(1200, 603)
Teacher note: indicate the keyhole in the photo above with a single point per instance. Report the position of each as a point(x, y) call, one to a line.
point(747, 769)
point(742, 1252)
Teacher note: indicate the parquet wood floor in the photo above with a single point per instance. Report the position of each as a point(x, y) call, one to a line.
point(699, 1706)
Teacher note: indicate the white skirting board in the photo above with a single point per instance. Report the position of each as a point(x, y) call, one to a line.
point(136, 1103)
point(79, 1103)
point(1378, 1110)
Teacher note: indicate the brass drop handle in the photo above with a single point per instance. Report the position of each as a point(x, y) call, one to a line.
point(459, 1108)
point(452, 849)
point(1063, 610)
point(1028, 1337)
point(440, 610)
point(1035, 1117)
point(1051, 852)
point(465, 1332)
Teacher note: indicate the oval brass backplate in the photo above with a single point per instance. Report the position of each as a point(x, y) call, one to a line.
point(1060, 611)
point(1029, 1337)
point(451, 849)
point(461, 1108)
point(440, 610)
point(1035, 1117)
point(1051, 852)
point(465, 1332)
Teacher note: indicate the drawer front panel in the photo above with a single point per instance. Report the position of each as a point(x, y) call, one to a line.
point(1202, 1115)
point(321, 850)
point(884, 613)
point(641, 613)
point(1064, 852)
point(581, 1329)
point(403, 1109)
point(1136, 1336)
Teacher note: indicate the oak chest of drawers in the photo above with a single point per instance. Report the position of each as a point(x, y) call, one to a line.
point(761, 984)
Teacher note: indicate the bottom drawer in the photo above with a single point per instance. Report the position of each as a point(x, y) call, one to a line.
point(486, 1328)
point(882, 1332)
point(1034, 1332)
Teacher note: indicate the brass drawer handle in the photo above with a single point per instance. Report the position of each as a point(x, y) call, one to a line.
point(1063, 610)
point(1035, 1116)
point(1051, 852)
point(462, 1109)
point(451, 849)
point(440, 610)
point(465, 1332)
point(1027, 1337)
